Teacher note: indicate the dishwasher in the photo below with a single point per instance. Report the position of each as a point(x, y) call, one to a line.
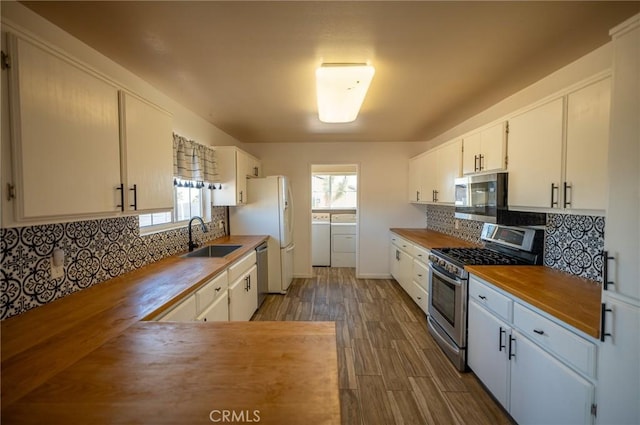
point(262, 261)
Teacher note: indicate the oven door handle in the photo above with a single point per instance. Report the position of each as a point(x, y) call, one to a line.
point(443, 276)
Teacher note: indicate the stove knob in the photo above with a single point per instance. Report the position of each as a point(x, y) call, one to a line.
point(452, 269)
point(432, 258)
point(441, 262)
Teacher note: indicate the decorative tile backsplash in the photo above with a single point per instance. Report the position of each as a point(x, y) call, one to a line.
point(573, 243)
point(95, 251)
point(441, 219)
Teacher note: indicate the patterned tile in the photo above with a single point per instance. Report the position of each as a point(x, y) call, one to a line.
point(573, 243)
point(95, 251)
point(441, 219)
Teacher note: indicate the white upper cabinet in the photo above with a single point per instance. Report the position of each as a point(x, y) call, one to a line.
point(586, 178)
point(234, 167)
point(535, 156)
point(485, 150)
point(432, 174)
point(558, 152)
point(78, 147)
point(147, 155)
point(65, 141)
point(449, 166)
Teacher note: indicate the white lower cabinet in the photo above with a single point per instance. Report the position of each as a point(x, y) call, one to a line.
point(401, 261)
point(243, 296)
point(529, 379)
point(488, 351)
point(544, 390)
point(408, 266)
point(230, 295)
point(183, 312)
point(218, 311)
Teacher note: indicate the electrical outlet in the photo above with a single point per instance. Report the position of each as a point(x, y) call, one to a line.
point(220, 224)
point(56, 271)
point(456, 224)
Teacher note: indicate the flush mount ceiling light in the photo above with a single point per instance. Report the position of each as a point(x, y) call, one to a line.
point(341, 88)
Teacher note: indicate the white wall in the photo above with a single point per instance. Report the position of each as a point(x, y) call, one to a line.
point(16, 17)
point(382, 192)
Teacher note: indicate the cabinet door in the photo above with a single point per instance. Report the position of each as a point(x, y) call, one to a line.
point(65, 147)
point(471, 153)
point(618, 365)
point(415, 179)
point(487, 347)
point(449, 165)
point(545, 391)
point(429, 176)
point(243, 296)
point(147, 154)
point(623, 212)
point(254, 167)
point(242, 167)
point(494, 146)
point(218, 311)
point(587, 146)
point(535, 156)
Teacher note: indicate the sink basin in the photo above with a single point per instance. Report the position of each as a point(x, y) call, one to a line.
point(213, 251)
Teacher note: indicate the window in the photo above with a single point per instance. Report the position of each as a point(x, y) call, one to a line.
point(334, 191)
point(190, 199)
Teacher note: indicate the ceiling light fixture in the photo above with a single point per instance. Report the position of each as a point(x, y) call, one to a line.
point(341, 89)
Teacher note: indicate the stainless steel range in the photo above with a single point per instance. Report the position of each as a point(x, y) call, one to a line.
point(448, 280)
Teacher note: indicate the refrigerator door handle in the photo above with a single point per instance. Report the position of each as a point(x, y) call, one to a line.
point(290, 248)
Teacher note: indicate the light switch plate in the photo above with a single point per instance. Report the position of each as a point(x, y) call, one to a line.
point(56, 271)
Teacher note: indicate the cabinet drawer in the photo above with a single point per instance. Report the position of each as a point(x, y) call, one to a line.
point(183, 312)
point(572, 348)
point(211, 291)
point(401, 243)
point(490, 299)
point(421, 254)
point(420, 274)
point(241, 266)
point(419, 295)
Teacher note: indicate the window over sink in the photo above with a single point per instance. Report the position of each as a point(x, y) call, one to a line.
point(191, 198)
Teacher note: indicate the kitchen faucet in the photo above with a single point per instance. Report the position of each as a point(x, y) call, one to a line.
point(193, 245)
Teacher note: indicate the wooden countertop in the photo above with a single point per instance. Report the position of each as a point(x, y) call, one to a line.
point(181, 373)
point(574, 300)
point(431, 239)
point(44, 345)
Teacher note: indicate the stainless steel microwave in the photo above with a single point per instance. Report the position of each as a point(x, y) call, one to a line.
point(480, 197)
point(485, 198)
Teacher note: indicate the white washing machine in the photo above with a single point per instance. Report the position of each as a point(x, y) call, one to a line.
point(320, 239)
point(343, 240)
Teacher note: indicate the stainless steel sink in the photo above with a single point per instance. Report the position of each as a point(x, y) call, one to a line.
point(213, 251)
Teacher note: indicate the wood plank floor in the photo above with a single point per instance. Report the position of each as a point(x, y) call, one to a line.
point(391, 371)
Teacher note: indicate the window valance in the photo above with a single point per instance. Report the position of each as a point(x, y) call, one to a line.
point(193, 161)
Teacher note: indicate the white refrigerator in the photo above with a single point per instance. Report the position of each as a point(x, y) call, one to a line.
point(269, 211)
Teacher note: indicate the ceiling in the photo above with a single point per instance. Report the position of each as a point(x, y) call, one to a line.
point(248, 67)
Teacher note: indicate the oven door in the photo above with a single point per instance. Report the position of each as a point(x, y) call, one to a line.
point(447, 304)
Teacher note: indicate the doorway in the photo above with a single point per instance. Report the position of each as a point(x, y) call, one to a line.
point(334, 215)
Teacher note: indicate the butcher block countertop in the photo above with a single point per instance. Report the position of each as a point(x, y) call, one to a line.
point(574, 300)
point(88, 357)
point(431, 239)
